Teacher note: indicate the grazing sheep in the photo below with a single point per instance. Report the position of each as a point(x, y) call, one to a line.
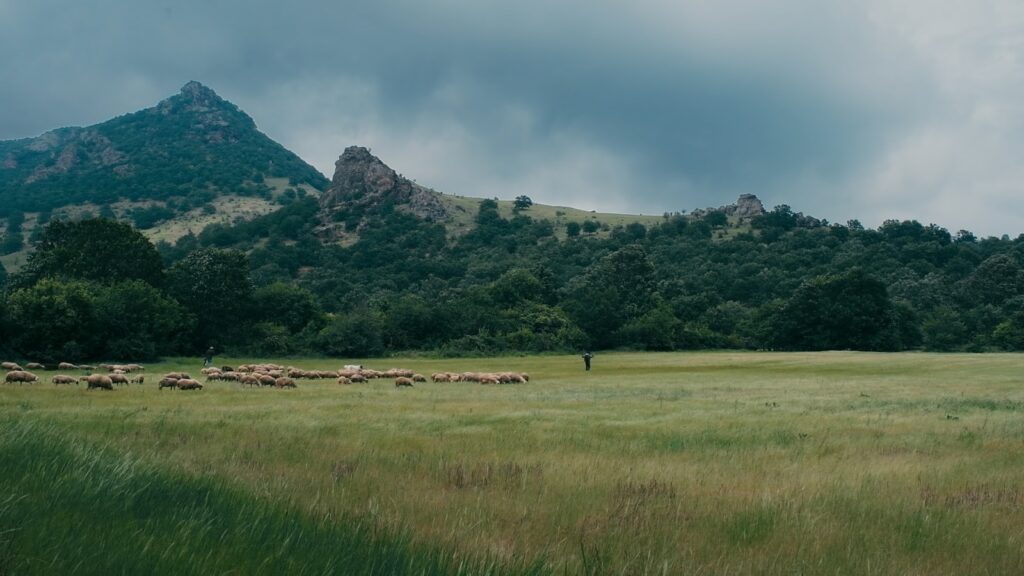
point(62, 379)
point(284, 382)
point(343, 380)
point(488, 379)
point(357, 378)
point(86, 367)
point(267, 380)
point(189, 384)
point(439, 377)
point(35, 366)
point(66, 366)
point(138, 380)
point(354, 367)
point(10, 366)
point(418, 378)
point(177, 375)
point(250, 380)
point(167, 382)
point(20, 376)
point(403, 381)
point(227, 369)
point(99, 381)
point(119, 378)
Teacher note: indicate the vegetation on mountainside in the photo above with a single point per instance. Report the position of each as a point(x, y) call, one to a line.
point(187, 150)
point(511, 285)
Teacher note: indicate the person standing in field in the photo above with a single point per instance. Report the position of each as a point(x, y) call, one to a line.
point(208, 359)
point(586, 360)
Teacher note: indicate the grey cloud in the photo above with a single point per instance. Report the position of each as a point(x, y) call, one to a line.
point(656, 105)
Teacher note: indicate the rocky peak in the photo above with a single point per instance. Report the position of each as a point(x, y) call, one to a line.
point(746, 207)
point(363, 184)
point(200, 95)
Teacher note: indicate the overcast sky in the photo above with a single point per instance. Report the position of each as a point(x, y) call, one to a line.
point(869, 109)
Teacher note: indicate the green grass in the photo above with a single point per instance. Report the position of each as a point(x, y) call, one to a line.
point(695, 463)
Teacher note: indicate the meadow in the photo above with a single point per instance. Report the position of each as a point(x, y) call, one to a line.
point(652, 463)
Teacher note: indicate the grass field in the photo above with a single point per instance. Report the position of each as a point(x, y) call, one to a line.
point(685, 463)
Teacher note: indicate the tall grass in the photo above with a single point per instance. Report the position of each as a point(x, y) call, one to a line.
point(67, 507)
point(689, 463)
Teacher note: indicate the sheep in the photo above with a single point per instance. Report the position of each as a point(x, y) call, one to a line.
point(403, 381)
point(357, 378)
point(418, 378)
point(66, 366)
point(227, 369)
point(209, 371)
point(250, 380)
point(62, 379)
point(284, 382)
point(86, 367)
point(343, 380)
point(267, 380)
point(354, 367)
point(99, 381)
point(138, 380)
point(168, 382)
point(177, 375)
point(35, 366)
point(10, 366)
point(118, 378)
point(20, 376)
point(189, 384)
point(439, 377)
point(489, 379)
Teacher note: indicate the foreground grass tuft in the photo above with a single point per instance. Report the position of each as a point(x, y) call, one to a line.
point(67, 507)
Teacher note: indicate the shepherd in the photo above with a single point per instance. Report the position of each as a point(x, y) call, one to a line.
point(586, 360)
point(208, 359)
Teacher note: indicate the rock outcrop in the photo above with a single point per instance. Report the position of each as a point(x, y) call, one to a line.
point(746, 207)
point(363, 185)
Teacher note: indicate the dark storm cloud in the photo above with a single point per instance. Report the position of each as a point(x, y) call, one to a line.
point(648, 106)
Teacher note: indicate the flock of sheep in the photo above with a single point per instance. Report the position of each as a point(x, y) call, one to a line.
point(250, 374)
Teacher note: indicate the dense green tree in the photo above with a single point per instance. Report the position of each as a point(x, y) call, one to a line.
point(13, 238)
point(355, 335)
point(103, 251)
point(54, 321)
point(521, 203)
point(837, 312)
point(287, 305)
point(139, 322)
point(214, 286)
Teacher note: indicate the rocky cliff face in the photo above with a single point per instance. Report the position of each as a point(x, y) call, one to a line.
point(746, 207)
point(364, 185)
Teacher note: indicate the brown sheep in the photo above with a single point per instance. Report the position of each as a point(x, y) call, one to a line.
point(99, 381)
point(403, 381)
point(10, 366)
point(21, 376)
point(250, 380)
point(118, 378)
point(138, 380)
point(418, 378)
point(439, 377)
point(357, 378)
point(343, 380)
point(167, 382)
point(189, 384)
point(35, 366)
point(66, 366)
point(62, 379)
point(267, 380)
point(177, 375)
point(226, 369)
point(489, 379)
point(86, 367)
point(284, 382)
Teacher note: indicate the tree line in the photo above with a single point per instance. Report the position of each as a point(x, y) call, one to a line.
point(99, 289)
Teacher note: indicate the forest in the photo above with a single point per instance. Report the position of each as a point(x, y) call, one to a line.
point(98, 288)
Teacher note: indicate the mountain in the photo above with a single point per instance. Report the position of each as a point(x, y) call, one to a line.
point(189, 149)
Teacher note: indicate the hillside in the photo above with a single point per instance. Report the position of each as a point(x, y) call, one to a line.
point(185, 151)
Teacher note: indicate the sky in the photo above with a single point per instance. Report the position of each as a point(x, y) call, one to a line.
point(861, 109)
